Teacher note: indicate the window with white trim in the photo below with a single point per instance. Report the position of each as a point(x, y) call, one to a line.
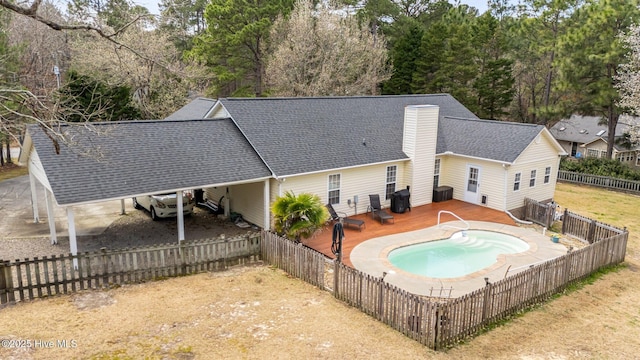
point(547, 174)
point(436, 174)
point(392, 172)
point(516, 182)
point(334, 189)
point(593, 153)
point(532, 179)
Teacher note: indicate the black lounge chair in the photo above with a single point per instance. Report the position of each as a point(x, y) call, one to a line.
point(377, 210)
point(344, 219)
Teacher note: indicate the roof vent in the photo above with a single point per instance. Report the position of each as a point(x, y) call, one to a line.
point(562, 129)
point(583, 131)
point(600, 132)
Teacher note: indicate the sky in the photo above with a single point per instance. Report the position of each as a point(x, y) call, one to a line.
point(152, 5)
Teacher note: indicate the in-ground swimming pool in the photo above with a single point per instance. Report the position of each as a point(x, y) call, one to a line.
point(465, 252)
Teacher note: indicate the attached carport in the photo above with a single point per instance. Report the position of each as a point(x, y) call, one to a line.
point(90, 163)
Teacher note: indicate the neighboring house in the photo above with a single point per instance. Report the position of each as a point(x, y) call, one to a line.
point(585, 136)
point(340, 148)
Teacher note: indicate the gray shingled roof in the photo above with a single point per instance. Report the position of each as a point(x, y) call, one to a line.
point(197, 109)
point(487, 139)
point(302, 135)
point(585, 129)
point(125, 159)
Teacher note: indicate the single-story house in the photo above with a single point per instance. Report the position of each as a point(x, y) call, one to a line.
point(250, 150)
point(586, 136)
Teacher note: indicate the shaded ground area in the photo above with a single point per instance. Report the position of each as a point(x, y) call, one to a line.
point(134, 229)
point(97, 225)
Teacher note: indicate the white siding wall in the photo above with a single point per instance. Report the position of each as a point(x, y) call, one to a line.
point(453, 172)
point(219, 113)
point(245, 199)
point(419, 143)
point(360, 181)
point(537, 156)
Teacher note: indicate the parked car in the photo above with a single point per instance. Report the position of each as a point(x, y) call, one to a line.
point(164, 205)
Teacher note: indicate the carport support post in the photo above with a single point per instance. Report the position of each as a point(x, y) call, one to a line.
point(34, 198)
point(73, 244)
point(122, 212)
point(50, 217)
point(180, 216)
point(266, 193)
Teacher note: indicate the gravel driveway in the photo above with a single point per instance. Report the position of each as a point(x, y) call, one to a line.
point(97, 225)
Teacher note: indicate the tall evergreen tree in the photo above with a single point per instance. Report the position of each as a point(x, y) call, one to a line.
point(233, 44)
point(87, 99)
point(589, 57)
point(405, 55)
point(494, 82)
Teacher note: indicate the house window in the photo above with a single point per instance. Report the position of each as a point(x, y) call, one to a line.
point(334, 189)
point(391, 180)
point(436, 174)
point(547, 174)
point(516, 183)
point(593, 153)
point(532, 180)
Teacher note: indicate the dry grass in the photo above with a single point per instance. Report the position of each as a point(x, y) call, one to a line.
point(9, 171)
point(261, 313)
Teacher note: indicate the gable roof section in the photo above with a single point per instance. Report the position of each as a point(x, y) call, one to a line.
point(124, 159)
point(487, 139)
point(306, 135)
point(196, 109)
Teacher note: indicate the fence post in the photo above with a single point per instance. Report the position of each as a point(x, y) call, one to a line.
point(105, 267)
point(564, 221)
point(6, 283)
point(336, 268)
point(592, 231)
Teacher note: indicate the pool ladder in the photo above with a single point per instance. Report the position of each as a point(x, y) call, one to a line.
point(456, 216)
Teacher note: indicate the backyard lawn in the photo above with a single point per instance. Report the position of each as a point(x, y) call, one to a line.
point(261, 313)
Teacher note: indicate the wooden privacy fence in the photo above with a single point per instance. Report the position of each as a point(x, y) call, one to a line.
point(587, 229)
point(599, 181)
point(294, 258)
point(540, 213)
point(38, 277)
point(440, 323)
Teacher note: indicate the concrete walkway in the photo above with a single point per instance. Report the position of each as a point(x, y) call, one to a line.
point(16, 215)
point(371, 257)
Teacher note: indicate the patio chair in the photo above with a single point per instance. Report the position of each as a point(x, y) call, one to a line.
point(377, 210)
point(344, 219)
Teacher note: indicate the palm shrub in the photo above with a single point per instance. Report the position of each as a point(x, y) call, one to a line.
point(298, 216)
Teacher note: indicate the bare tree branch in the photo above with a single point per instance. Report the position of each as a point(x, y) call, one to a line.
point(32, 12)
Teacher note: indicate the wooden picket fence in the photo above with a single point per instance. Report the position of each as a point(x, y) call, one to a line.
point(436, 323)
point(28, 279)
point(441, 323)
point(540, 213)
point(599, 181)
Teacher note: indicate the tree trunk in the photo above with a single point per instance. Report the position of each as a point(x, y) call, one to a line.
point(9, 160)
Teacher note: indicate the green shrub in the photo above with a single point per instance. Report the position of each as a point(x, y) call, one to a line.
point(600, 166)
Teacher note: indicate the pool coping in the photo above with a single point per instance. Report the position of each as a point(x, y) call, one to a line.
point(371, 257)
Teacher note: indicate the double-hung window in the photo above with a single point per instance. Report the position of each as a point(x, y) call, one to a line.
point(532, 179)
point(392, 172)
point(547, 174)
point(436, 174)
point(334, 189)
point(516, 182)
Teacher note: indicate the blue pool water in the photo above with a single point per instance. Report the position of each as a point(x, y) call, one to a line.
point(465, 252)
